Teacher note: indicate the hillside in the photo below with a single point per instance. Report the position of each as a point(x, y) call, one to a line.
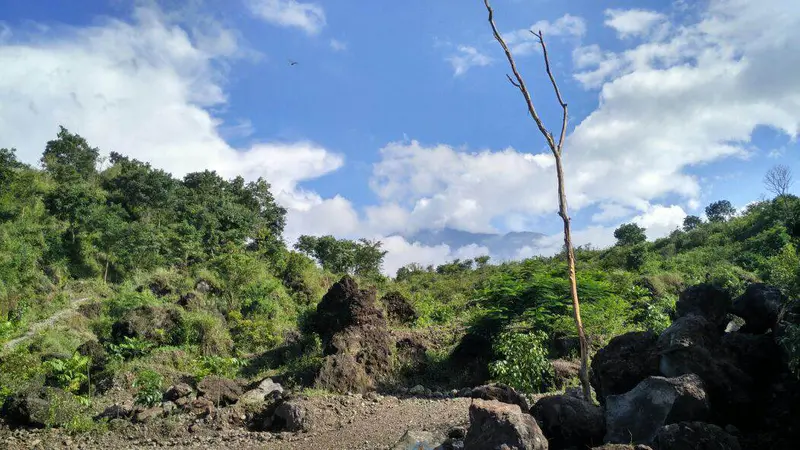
point(189, 284)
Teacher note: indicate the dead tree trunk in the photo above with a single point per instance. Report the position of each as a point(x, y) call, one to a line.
point(556, 148)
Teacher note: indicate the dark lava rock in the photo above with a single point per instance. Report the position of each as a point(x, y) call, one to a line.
point(494, 425)
point(623, 363)
point(760, 307)
point(569, 422)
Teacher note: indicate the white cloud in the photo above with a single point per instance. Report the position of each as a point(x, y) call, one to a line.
point(633, 22)
point(660, 220)
point(310, 17)
point(611, 211)
point(144, 89)
point(338, 46)
point(402, 253)
point(522, 42)
point(467, 57)
point(441, 186)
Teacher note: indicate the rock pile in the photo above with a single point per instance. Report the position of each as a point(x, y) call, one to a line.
point(695, 386)
point(355, 337)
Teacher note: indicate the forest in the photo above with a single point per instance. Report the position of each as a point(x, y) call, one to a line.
point(175, 277)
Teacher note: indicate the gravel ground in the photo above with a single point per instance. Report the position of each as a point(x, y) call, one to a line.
point(336, 422)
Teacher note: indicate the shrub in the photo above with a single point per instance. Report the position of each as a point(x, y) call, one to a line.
point(217, 365)
point(208, 332)
point(129, 348)
point(148, 384)
point(70, 373)
point(253, 334)
point(524, 364)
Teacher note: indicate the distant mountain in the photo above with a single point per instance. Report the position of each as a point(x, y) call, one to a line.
point(501, 246)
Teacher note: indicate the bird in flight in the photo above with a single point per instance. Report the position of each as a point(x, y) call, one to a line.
point(292, 63)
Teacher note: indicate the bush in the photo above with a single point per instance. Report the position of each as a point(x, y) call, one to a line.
point(524, 365)
point(217, 365)
point(253, 334)
point(148, 384)
point(69, 374)
point(208, 332)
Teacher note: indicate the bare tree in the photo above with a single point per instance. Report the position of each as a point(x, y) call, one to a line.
point(556, 148)
point(778, 180)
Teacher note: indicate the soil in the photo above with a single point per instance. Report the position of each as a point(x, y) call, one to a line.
point(336, 422)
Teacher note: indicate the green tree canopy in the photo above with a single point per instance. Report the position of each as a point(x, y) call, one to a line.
point(691, 222)
point(630, 234)
point(720, 211)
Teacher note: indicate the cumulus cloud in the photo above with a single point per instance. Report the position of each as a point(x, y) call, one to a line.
point(309, 17)
point(441, 186)
point(660, 220)
point(144, 88)
point(633, 22)
point(467, 57)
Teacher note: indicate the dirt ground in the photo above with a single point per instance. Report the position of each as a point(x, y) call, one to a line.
point(336, 422)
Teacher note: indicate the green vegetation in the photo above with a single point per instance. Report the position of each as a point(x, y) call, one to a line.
point(190, 277)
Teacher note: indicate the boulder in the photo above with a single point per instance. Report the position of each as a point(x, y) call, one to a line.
point(419, 439)
point(177, 391)
point(564, 372)
point(623, 363)
point(636, 416)
point(705, 300)
point(496, 425)
point(694, 436)
point(290, 417)
point(45, 407)
point(147, 414)
point(398, 308)
point(221, 391)
point(501, 393)
point(201, 407)
point(688, 331)
point(265, 389)
point(471, 357)
point(96, 353)
point(156, 324)
point(760, 307)
point(569, 422)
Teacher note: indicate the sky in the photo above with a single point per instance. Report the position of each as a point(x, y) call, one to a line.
point(373, 119)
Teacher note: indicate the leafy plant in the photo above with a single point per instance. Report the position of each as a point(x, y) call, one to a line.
point(70, 373)
point(149, 384)
point(524, 364)
point(129, 348)
point(217, 365)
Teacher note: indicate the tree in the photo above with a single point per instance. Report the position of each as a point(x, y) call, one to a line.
point(720, 211)
point(630, 234)
point(556, 148)
point(70, 158)
point(691, 222)
point(778, 180)
point(482, 261)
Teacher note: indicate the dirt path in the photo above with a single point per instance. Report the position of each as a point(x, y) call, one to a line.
point(336, 422)
point(65, 313)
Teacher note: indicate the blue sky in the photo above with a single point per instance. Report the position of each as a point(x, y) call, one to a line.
point(398, 116)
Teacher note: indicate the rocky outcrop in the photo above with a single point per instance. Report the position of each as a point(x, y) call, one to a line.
point(760, 307)
point(564, 372)
point(623, 363)
point(265, 389)
point(495, 425)
point(289, 417)
point(45, 407)
point(178, 391)
point(694, 436)
point(221, 391)
point(636, 416)
point(707, 301)
point(355, 336)
point(398, 308)
point(569, 422)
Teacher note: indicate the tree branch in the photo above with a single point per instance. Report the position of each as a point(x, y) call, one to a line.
point(520, 82)
point(555, 88)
